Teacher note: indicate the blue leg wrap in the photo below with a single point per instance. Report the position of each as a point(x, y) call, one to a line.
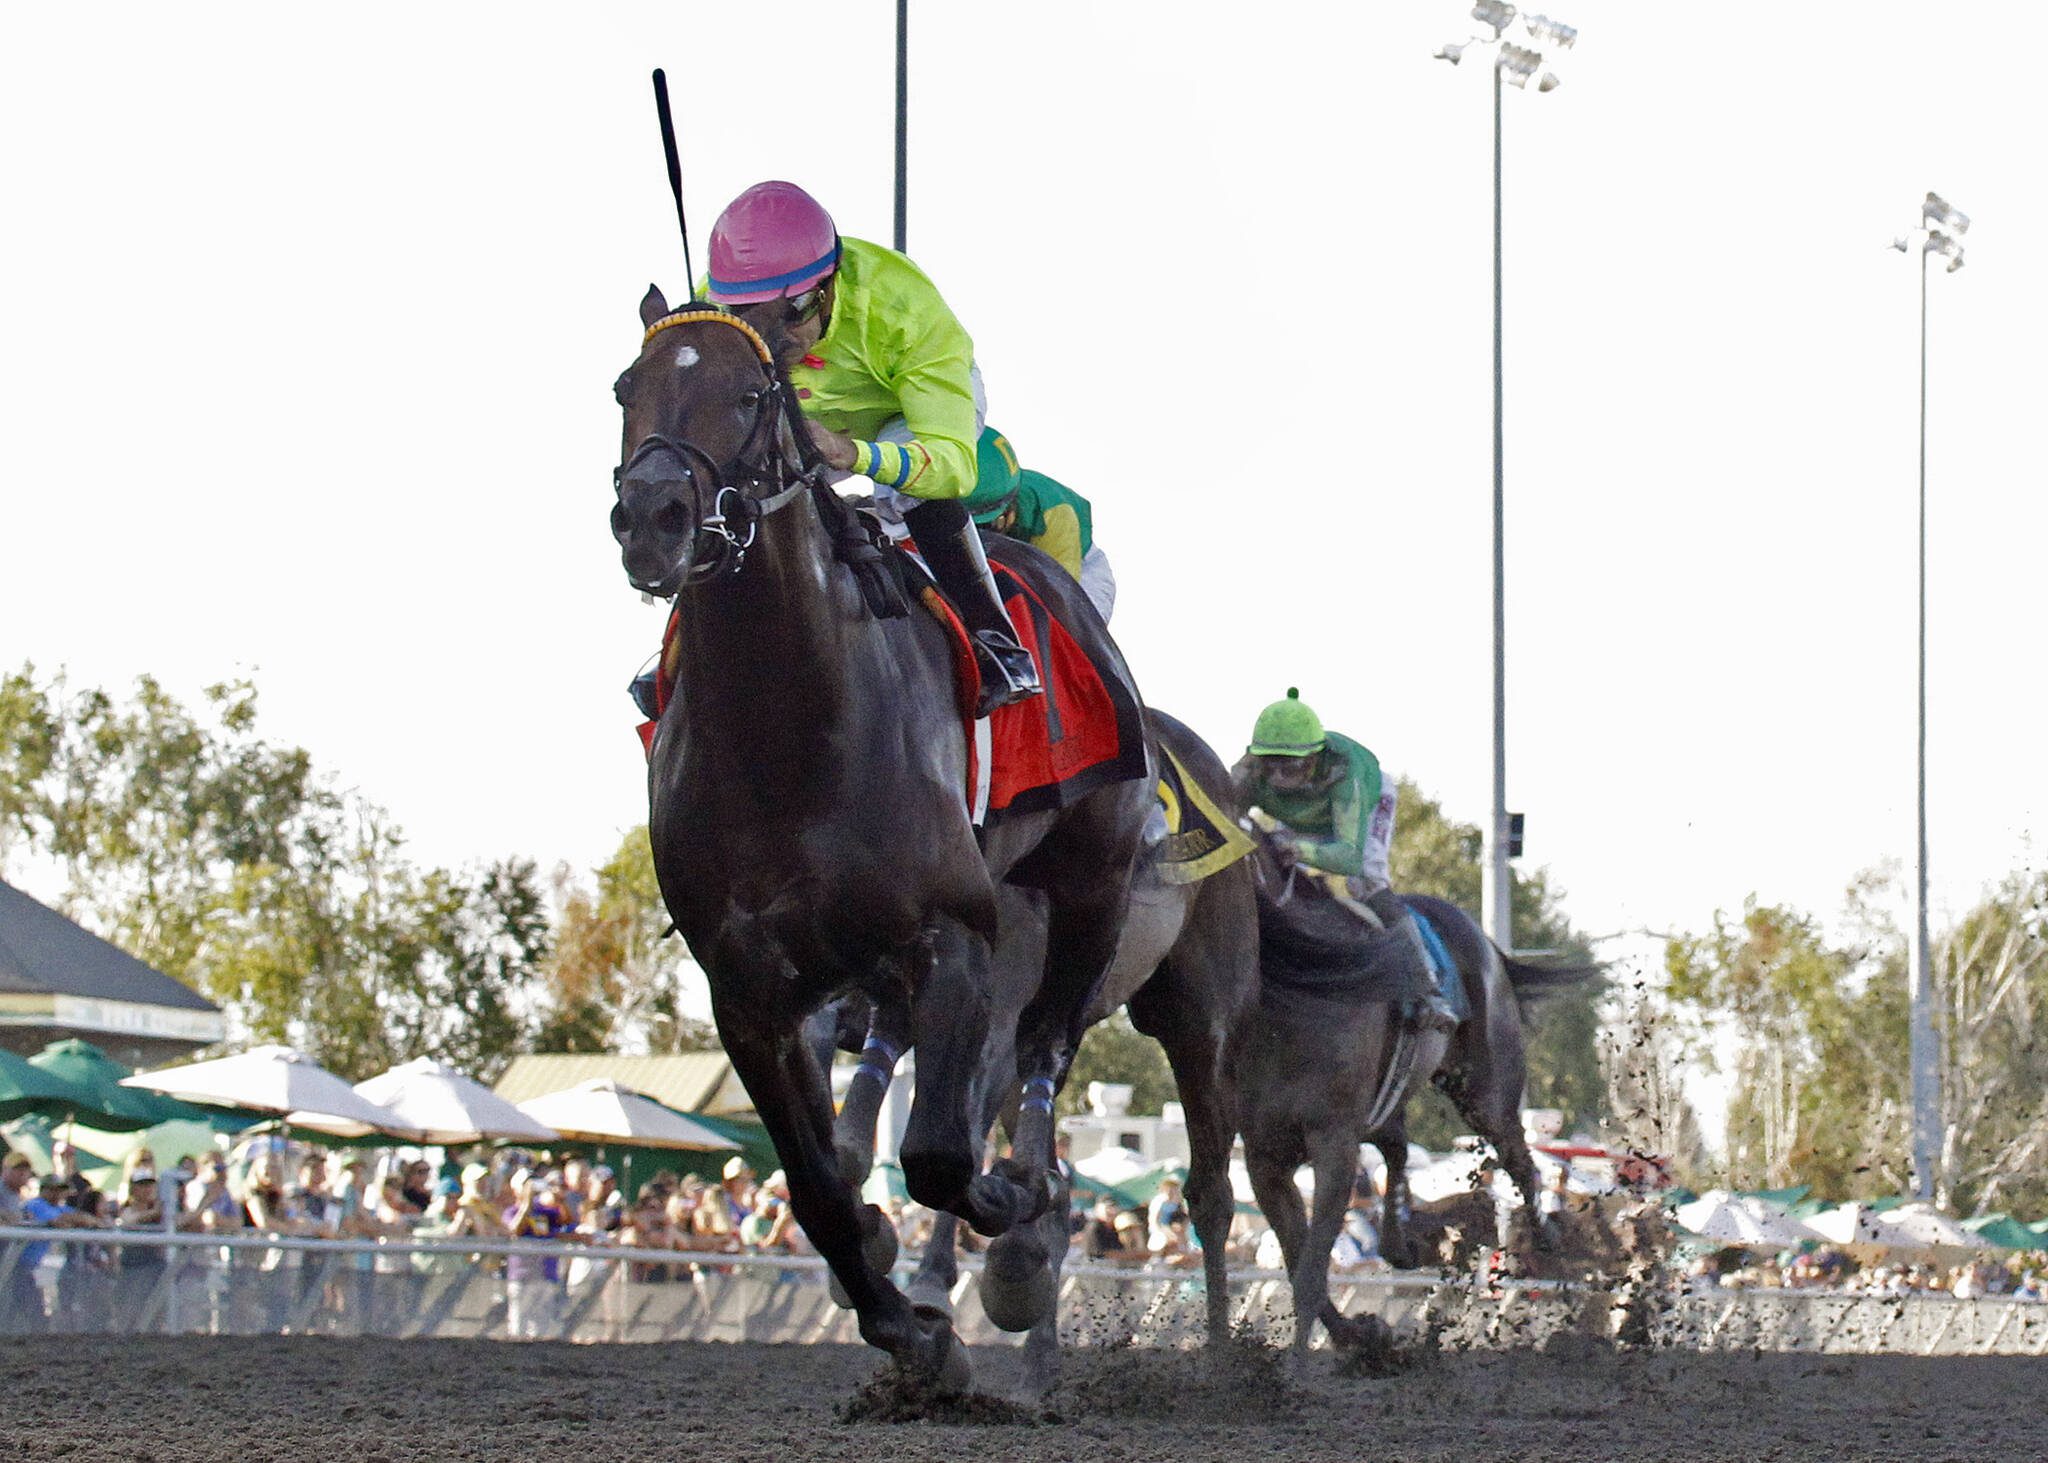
point(1038, 1095)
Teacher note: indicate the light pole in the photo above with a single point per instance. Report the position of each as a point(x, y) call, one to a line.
point(1940, 225)
point(1517, 65)
point(902, 125)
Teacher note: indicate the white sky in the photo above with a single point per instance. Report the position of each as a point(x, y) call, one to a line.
point(310, 322)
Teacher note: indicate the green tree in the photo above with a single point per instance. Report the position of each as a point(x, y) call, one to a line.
point(191, 841)
point(1115, 1051)
point(615, 979)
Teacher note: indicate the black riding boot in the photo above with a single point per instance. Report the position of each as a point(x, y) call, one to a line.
point(1423, 1005)
point(951, 545)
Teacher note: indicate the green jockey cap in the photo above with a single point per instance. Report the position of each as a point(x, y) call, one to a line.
point(1287, 728)
point(996, 470)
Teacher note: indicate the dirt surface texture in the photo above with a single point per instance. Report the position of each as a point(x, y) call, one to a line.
point(248, 1399)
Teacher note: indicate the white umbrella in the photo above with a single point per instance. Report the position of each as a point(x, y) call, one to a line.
point(1113, 1165)
point(1719, 1215)
point(601, 1111)
point(279, 1081)
point(1857, 1224)
point(1927, 1226)
point(448, 1109)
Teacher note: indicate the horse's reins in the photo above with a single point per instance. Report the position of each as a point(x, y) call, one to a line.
point(775, 406)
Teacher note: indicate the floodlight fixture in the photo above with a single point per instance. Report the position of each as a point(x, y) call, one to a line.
point(1946, 247)
point(1938, 210)
point(1453, 51)
point(1518, 64)
point(1495, 14)
point(1550, 82)
point(1900, 243)
point(1551, 32)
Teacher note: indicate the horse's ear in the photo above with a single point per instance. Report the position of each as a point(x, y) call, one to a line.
point(653, 305)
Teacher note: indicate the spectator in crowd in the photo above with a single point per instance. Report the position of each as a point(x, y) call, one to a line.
point(44, 1206)
point(711, 1224)
point(478, 1211)
point(771, 1228)
point(604, 1207)
point(263, 1199)
point(739, 1191)
point(532, 1281)
point(1555, 1197)
point(1358, 1242)
point(1166, 1206)
point(575, 1186)
point(79, 1191)
point(646, 1227)
point(308, 1202)
point(415, 1187)
point(209, 1206)
point(1097, 1233)
point(1174, 1247)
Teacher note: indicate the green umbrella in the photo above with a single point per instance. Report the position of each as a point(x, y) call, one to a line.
point(98, 1076)
point(27, 1088)
point(2003, 1231)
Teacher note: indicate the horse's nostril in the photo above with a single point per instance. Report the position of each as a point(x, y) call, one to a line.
point(671, 517)
point(620, 521)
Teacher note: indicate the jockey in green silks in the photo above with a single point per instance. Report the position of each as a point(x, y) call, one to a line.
point(885, 376)
point(1048, 515)
point(1335, 811)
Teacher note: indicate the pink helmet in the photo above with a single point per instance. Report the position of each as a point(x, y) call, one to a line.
point(772, 240)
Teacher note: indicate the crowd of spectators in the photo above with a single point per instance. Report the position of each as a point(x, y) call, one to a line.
point(2020, 1275)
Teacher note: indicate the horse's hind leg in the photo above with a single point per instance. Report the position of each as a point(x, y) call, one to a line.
point(853, 1134)
point(1166, 1009)
point(1392, 1141)
point(1272, 1174)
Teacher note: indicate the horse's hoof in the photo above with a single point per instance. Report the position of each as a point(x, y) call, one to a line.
point(855, 1162)
point(838, 1292)
point(1017, 1285)
point(930, 1300)
point(879, 1243)
point(940, 1360)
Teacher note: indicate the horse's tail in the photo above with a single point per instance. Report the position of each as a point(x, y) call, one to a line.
point(1545, 973)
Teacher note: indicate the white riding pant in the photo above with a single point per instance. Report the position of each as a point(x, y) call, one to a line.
point(1379, 842)
point(1098, 581)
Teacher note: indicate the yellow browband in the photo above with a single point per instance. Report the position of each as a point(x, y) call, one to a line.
point(694, 317)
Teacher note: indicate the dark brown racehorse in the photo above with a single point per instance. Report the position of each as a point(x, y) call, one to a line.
point(808, 815)
point(1322, 1066)
point(1187, 968)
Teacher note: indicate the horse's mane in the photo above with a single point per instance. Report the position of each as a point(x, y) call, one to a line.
point(1310, 943)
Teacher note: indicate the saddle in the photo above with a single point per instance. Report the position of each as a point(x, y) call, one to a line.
point(1049, 751)
point(1043, 753)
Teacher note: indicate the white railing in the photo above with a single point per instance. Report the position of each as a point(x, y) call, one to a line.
point(133, 1282)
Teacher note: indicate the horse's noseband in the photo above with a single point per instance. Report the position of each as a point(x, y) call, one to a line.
point(729, 484)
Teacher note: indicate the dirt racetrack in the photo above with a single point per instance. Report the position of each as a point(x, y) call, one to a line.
point(249, 1399)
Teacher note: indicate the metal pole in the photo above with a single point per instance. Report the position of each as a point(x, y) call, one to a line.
point(1496, 888)
point(902, 124)
point(1926, 1080)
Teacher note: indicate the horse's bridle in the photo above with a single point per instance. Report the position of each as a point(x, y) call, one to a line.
point(731, 480)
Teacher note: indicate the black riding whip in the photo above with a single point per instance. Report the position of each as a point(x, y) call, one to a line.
point(675, 175)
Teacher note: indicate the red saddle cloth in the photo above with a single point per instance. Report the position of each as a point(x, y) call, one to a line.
point(1049, 751)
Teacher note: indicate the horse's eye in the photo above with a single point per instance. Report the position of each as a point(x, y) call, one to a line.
point(750, 400)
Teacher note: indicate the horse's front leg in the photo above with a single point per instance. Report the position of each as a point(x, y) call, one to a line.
point(957, 1047)
point(794, 1101)
point(1334, 1156)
